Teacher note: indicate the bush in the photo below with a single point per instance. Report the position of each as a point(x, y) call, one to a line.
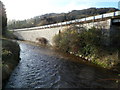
point(42, 41)
point(88, 43)
point(64, 41)
point(72, 40)
point(10, 58)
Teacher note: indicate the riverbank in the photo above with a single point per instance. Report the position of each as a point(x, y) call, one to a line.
point(91, 45)
point(10, 58)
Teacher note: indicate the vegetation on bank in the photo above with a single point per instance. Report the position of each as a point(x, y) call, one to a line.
point(10, 58)
point(10, 48)
point(42, 41)
point(90, 44)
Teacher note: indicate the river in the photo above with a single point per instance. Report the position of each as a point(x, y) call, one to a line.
point(41, 67)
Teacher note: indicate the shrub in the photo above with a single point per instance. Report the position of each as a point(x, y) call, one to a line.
point(10, 58)
point(42, 40)
point(88, 43)
point(72, 40)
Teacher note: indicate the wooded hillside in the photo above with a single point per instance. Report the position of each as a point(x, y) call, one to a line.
point(57, 17)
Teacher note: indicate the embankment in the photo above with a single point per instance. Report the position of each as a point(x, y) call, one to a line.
point(10, 58)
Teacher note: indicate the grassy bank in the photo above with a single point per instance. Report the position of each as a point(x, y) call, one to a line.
point(90, 44)
point(10, 56)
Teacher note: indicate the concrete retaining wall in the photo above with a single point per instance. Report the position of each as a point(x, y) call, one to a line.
point(49, 33)
point(31, 35)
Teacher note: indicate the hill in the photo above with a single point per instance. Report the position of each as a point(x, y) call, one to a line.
point(57, 17)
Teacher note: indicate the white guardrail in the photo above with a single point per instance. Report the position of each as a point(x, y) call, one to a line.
point(107, 15)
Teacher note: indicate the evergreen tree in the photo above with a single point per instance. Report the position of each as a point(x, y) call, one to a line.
point(3, 18)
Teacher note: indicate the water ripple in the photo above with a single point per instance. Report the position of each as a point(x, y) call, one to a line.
point(44, 68)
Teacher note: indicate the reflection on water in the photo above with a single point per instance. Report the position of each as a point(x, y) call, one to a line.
point(44, 68)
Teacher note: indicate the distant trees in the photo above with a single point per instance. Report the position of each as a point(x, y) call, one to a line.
point(3, 18)
point(55, 18)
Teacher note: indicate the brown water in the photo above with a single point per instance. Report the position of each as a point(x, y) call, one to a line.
point(45, 68)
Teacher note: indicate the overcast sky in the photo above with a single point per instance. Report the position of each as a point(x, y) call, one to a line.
point(24, 9)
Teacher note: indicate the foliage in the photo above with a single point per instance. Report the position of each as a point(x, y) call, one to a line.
point(10, 58)
point(71, 40)
point(10, 48)
point(42, 41)
point(10, 35)
point(3, 18)
point(88, 43)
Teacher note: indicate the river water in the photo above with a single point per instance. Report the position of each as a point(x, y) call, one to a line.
point(41, 67)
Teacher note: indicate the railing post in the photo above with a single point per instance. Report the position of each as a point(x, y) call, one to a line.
point(114, 14)
point(102, 16)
